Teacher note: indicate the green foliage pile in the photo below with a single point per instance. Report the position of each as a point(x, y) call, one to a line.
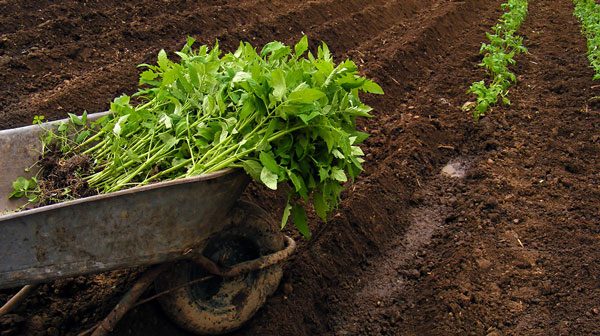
point(588, 12)
point(283, 115)
point(499, 54)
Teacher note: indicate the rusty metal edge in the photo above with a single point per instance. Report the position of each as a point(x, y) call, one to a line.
point(133, 190)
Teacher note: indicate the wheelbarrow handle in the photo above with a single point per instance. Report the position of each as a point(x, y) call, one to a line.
point(16, 300)
point(250, 265)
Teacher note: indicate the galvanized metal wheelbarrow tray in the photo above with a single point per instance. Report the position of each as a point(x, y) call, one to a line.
point(144, 225)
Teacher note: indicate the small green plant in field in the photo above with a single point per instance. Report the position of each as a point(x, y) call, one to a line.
point(284, 115)
point(588, 12)
point(499, 54)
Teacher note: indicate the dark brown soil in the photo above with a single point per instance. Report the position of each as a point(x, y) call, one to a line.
point(506, 244)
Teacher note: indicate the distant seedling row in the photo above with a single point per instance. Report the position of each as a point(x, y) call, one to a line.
point(588, 12)
point(499, 54)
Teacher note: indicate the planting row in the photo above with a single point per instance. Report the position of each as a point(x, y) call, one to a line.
point(588, 12)
point(499, 54)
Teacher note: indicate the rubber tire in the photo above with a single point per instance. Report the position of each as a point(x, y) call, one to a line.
point(213, 307)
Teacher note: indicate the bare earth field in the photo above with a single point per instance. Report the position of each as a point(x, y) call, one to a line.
point(508, 243)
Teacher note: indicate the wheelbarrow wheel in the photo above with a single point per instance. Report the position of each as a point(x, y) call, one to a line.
point(220, 305)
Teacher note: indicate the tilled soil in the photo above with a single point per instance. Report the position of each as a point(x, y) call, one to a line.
point(504, 241)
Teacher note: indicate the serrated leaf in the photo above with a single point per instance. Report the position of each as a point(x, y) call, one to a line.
point(82, 136)
point(75, 119)
point(169, 141)
point(163, 60)
point(320, 205)
point(301, 220)
point(338, 154)
point(268, 160)
point(166, 120)
point(148, 76)
point(305, 95)
point(268, 178)
point(286, 214)
point(241, 77)
point(279, 87)
point(338, 174)
point(252, 168)
point(357, 151)
point(301, 46)
point(298, 183)
point(306, 118)
point(372, 87)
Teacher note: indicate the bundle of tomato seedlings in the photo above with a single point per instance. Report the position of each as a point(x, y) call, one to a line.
point(282, 115)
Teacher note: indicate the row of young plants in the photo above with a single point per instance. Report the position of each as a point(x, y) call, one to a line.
point(588, 12)
point(284, 115)
point(499, 53)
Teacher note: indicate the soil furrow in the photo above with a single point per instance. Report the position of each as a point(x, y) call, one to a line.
point(384, 196)
point(500, 266)
point(120, 75)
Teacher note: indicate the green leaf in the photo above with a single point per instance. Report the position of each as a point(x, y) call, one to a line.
point(286, 214)
point(168, 140)
point(306, 118)
point(163, 60)
point(301, 220)
point(321, 207)
point(276, 49)
point(75, 119)
point(323, 173)
point(338, 174)
point(16, 194)
point(241, 77)
point(301, 46)
point(268, 178)
point(82, 136)
point(23, 187)
point(305, 95)
point(267, 160)
point(20, 184)
point(148, 76)
point(372, 87)
point(272, 47)
point(38, 119)
point(350, 81)
point(118, 127)
point(357, 151)
point(298, 183)
point(279, 87)
point(252, 168)
point(361, 111)
point(62, 127)
point(165, 120)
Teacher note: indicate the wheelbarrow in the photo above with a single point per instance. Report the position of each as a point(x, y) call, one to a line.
point(213, 260)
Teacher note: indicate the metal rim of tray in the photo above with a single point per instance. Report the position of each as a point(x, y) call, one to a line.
point(128, 191)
